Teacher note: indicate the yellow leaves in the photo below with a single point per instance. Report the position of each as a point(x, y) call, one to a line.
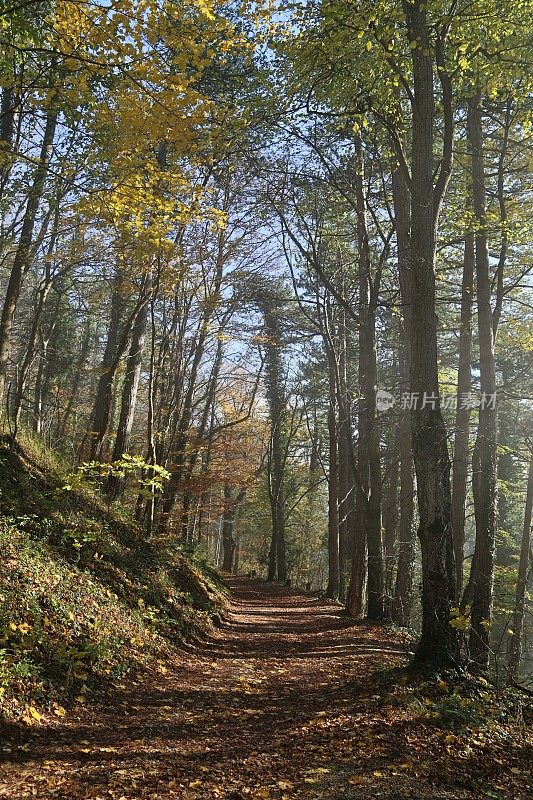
point(195, 784)
point(58, 710)
point(164, 50)
point(31, 715)
point(71, 23)
point(206, 8)
point(460, 621)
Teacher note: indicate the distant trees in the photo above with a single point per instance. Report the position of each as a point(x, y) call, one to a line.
point(297, 281)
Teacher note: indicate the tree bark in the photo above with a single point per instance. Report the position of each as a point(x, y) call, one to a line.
point(276, 403)
point(506, 473)
point(462, 416)
point(229, 543)
point(370, 463)
point(42, 294)
point(515, 644)
point(484, 456)
point(438, 644)
point(344, 436)
point(333, 586)
point(390, 517)
point(8, 104)
point(403, 588)
point(23, 252)
point(78, 374)
point(102, 402)
point(129, 391)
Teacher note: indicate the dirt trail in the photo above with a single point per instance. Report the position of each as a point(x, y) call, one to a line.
point(279, 704)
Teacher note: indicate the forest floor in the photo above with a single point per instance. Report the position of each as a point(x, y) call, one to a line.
point(289, 699)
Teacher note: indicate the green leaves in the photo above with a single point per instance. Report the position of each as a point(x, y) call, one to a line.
point(150, 477)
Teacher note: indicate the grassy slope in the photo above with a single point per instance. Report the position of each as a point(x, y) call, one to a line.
point(83, 600)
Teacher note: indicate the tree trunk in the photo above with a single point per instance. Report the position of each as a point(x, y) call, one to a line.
point(403, 588)
point(23, 252)
point(42, 294)
point(229, 543)
point(506, 473)
point(8, 104)
point(78, 374)
point(462, 416)
point(439, 644)
point(129, 392)
point(276, 403)
point(333, 483)
point(102, 402)
point(515, 644)
point(344, 455)
point(370, 465)
point(390, 514)
point(484, 456)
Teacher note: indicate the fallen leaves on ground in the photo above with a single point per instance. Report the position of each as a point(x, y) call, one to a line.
point(289, 701)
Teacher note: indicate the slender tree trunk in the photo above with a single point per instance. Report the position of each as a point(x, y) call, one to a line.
point(439, 643)
point(38, 390)
point(462, 416)
point(149, 507)
point(47, 368)
point(276, 402)
point(172, 488)
point(8, 104)
point(506, 474)
point(515, 644)
point(102, 402)
point(403, 588)
point(129, 392)
point(484, 456)
point(333, 484)
point(42, 294)
point(370, 466)
point(390, 515)
point(23, 252)
point(78, 374)
point(229, 544)
point(344, 469)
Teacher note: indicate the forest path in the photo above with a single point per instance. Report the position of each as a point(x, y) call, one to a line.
point(279, 704)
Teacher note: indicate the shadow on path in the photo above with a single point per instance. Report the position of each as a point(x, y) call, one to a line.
point(275, 705)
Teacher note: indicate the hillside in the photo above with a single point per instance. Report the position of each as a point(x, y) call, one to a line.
point(83, 600)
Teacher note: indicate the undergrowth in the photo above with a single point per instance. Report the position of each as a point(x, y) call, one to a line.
point(83, 599)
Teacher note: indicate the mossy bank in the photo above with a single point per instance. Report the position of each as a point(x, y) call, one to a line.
point(84, 600)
